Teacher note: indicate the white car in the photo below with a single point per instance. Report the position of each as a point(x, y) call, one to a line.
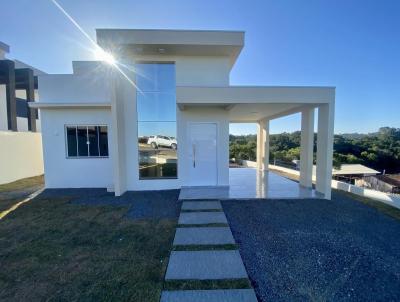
point(162, 141)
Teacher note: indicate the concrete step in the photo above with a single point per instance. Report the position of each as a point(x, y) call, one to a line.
point(201, 205)
point(205, 265)
point(219, 295)
point(202, 218)
point(203, 236)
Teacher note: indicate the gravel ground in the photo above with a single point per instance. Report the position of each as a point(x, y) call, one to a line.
point(144, 204)
point(302, 250)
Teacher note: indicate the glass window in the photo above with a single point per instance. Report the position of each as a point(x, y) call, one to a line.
point(156, 109)
point(71, 142)
point(103, 141)
point(82, 141)
point(93, 138)
point(156, 106)
point(87, 141)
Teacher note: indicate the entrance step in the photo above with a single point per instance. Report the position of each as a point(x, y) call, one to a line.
point(221, 295)
point(205, 265)
point(203, 236)
point(201, 205)
point(202, 218)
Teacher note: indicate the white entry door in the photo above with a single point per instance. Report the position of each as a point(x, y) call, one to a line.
point(202, 154)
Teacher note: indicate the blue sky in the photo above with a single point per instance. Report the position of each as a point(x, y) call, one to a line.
point(353, 45)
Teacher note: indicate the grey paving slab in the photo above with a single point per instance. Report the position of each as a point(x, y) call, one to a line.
point(202, 218)
point(205, 235)
point(201, 205)
point(205, 265)
point(220, 295)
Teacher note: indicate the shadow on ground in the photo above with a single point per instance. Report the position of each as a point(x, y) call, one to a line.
point(143, 204)
point(302, 250)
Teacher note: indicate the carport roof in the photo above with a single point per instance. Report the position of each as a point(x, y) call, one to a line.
point(251, 104)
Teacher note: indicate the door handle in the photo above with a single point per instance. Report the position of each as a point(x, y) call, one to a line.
point(194, 155)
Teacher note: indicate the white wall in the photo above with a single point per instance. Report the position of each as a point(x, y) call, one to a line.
point(210, 71)
point(202, 71)
point(3, 109)
point(67, 88)
point(63, 172)
point(212, 115)
point(20, 155)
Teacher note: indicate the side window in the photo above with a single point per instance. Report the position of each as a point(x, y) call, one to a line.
point(86, 141)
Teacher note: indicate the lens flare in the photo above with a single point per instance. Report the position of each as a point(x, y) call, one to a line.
point(99, 53)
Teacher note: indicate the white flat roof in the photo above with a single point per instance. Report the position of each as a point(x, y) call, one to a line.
point(347, 169)
point(173, 42)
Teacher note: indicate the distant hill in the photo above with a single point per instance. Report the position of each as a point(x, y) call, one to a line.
point(379, 150)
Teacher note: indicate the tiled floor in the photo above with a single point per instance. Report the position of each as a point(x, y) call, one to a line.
point(251, 183)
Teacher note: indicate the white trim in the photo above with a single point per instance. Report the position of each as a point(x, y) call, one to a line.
point(68, 105)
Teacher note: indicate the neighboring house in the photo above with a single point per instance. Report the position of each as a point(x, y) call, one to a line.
point(350, 173)
point(21, 145)
point(172, 83)
point(384, 183)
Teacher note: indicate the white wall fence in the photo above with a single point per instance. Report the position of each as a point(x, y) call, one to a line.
point(21, 155)
point(387, 198)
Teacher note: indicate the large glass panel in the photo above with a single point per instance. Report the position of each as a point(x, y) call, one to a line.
point(93, 141)
point(82, 141)
point(155, 77)
point(72, 150)
point(157, 150)
point(103, 140)
point(156, 108)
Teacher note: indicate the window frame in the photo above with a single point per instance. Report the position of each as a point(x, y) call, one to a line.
point(87, 136)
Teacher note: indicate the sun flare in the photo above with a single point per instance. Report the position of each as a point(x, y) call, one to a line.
point(101, 55)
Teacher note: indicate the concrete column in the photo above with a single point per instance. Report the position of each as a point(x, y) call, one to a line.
point(30, 97)
point(306, 147)
point(8, 67)
point(259, 146)
point(325, 149)
point(263, 145)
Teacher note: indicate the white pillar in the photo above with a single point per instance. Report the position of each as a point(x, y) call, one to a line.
point(263, 145)
point(325, 149)
point(307, 147)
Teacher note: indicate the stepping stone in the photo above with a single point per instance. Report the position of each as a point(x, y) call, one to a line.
point(202, 218)
point(205, 265)
point(205, 235)
point(218, 295)
point(201, 205)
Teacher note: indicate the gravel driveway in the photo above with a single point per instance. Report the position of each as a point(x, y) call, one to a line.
point(302, 250)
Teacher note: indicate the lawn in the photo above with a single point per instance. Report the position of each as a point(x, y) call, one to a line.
point(16, 191)
point(55, 249)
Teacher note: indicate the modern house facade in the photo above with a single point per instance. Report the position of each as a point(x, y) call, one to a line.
point(20, 139)
point(159, 118)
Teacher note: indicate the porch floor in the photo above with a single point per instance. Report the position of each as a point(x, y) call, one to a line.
point(248, 183)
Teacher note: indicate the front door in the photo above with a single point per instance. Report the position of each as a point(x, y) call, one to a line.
point(202, 154)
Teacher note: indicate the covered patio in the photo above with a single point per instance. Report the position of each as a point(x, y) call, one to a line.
point(249, 183)
point(260, 105)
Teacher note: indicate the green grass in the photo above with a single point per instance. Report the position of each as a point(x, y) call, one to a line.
point(22, 184)
point(207, 284)
point(16, 191)
point(53, 250)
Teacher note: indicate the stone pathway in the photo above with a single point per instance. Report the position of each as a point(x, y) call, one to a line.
point(203, 224)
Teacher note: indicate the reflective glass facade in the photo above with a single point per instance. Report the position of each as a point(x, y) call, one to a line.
point(156, 111)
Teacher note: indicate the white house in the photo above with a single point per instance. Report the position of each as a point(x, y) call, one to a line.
point(159, 118)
